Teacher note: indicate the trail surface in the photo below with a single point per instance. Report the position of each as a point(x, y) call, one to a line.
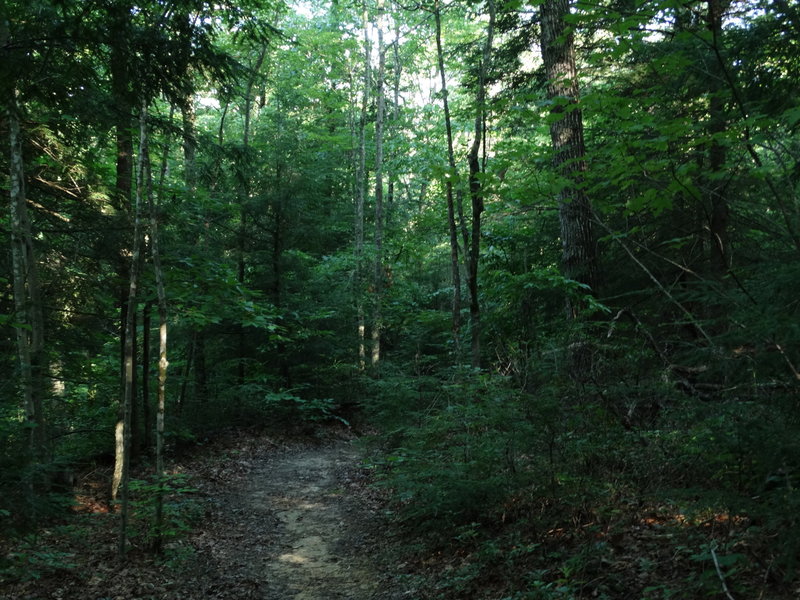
point(298, 526)
point(271, 519)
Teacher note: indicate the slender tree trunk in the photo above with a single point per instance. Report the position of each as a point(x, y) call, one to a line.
point(451, 176)
point(397, 69)
point(579, 252)
point(133, 332)
point(720, 253)
point(245, 191)
point(476, 193)
point(277, 267)
point(121, 94)
point(145, 376)
point(125, 424)
point(27, 294)
point(377, 316)
point(200, 372)
point(189, 133)
point(163, 364)
point(360, 199)
point(187, 369)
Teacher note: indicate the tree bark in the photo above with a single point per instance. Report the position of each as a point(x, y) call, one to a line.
point(122, 470)
point(145, 376)
point(377, 315)
point(579, 252)
point(476, 193)
point(360, 197)
point(29, 317)
point(244, 200)
point(121, 200)
point(155, 250)
point(720, 211)
point(452, 175)
point(189, 133)
point(397, 70)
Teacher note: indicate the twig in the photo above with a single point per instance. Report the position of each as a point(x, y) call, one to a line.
point(721, 576)
point(652, 277)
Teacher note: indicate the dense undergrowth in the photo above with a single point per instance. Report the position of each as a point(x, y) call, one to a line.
point(581, 490)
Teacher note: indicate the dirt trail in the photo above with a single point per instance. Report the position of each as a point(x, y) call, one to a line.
point(293, 530)
point(271, 519)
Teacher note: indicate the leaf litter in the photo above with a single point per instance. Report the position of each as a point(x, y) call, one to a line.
point(275, 519)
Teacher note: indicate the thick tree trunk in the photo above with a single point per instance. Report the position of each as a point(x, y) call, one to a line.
point(453, 175)
point(579, 252)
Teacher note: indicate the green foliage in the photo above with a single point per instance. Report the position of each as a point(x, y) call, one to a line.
point(180, 510)
point(456, 458)
point(33, 558)
point(287, 406)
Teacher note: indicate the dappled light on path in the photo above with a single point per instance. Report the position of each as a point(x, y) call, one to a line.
point(311, 553)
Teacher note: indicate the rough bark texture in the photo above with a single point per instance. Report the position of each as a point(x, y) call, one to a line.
point(579, 253)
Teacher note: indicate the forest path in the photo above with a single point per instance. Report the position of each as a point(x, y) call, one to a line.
point(298, 526)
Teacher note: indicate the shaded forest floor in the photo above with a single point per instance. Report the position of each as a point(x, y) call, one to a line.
point(270, 518)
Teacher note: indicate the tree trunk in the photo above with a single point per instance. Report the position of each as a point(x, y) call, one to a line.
point(360, 198)
point(377, 316)
point(718, 226)
point(134, 333)
point(453, 175)
point(162, 337)
point(189, 133)
point(397, 70)
point(122, 471)
point(579, 252)
point(244, 200)
point(145, 377)
point(187, 369)
point(121, 200)
point(29, 319)
point(476, 193)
